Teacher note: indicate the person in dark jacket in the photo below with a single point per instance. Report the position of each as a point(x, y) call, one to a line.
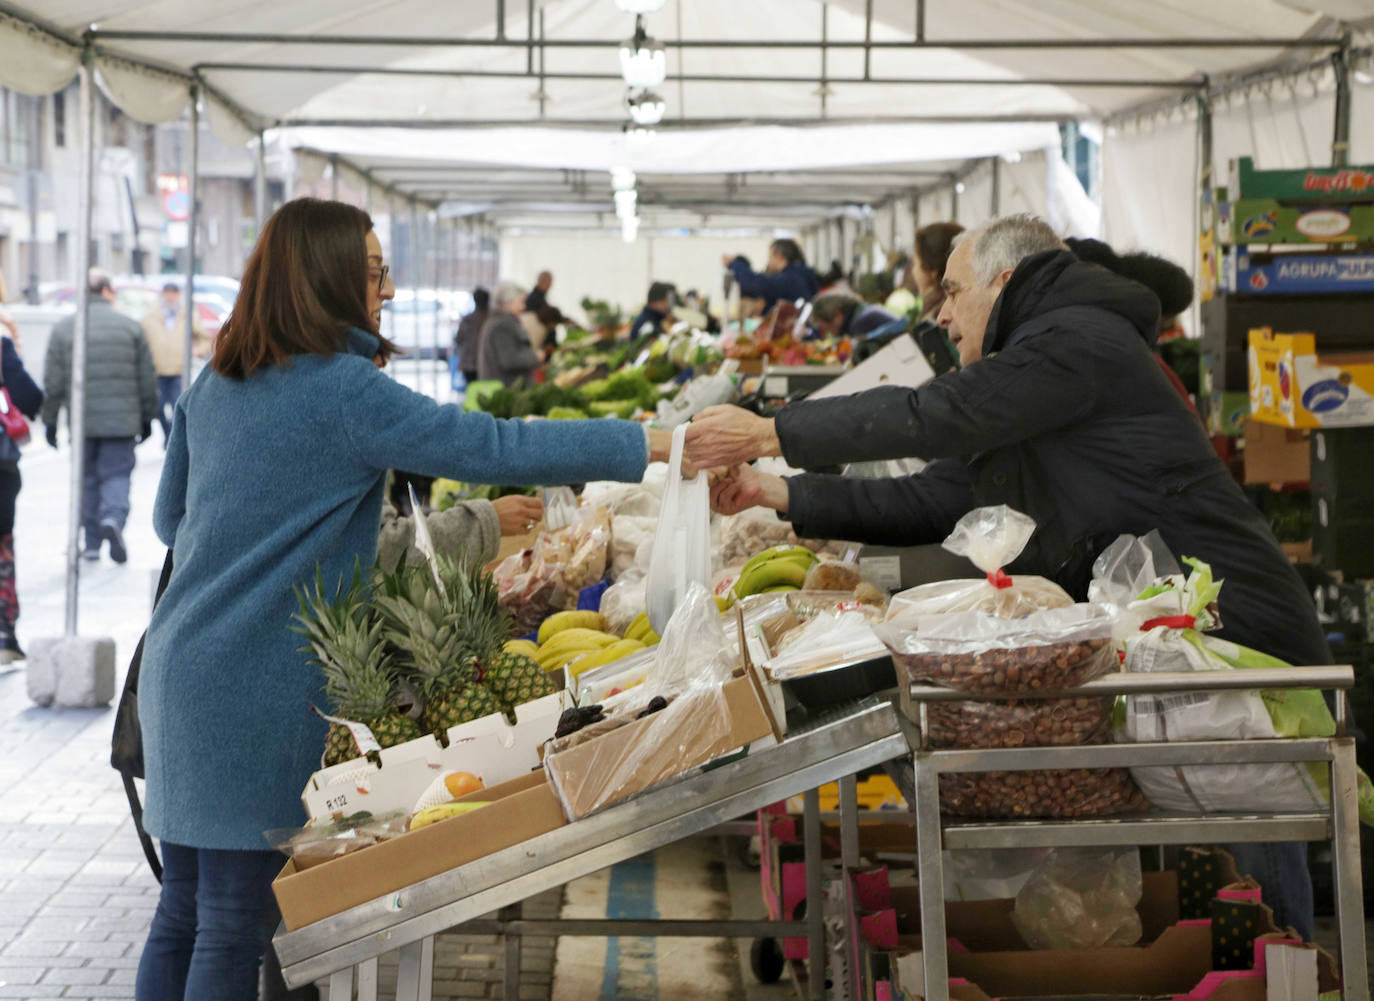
point(505, 352)
point(787, 275)
point(1059, 411)
point(27, 398)
point(538, 297)
point(469, 336)
point(658, 307)
point(121, 404)
point(836, 314)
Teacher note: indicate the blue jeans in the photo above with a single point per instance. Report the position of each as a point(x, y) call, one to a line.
point(1286, 885)
point(168, 391)
point(105, 485)
point(208, 933)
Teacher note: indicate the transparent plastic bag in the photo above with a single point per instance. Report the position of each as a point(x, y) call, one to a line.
point(693, 652)
point(1021, 723)
point(826, 639)
point(623, 601)
point(1081, 898)
point(628, 533)
point(315, 844)
point(990, 538)
point(682, 541)
point(975, 652)
point(546, 578)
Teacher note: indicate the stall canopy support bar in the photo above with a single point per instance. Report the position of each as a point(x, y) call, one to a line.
point(1340, 139)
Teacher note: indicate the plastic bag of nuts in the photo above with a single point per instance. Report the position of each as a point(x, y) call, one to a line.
point(1020, 723)
point(1070, 792)
point(1047, 651)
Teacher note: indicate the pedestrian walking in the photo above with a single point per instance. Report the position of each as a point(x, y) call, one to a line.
point(164, 326)
point(121, 402)
point(21, 393)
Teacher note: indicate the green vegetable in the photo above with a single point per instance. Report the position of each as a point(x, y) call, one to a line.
point(613, 408)
point(566, 414)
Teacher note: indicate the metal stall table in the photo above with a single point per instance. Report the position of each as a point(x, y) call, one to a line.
point(1338, 824)
point(407, 921)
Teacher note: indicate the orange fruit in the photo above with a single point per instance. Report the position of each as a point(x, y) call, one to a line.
point(459, 784)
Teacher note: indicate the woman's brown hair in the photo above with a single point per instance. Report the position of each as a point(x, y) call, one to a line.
point(303, 286)
point(934, 243)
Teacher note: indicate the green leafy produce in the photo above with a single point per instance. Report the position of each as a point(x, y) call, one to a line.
point(566, 414)
point(613, 408)
point(627, 385)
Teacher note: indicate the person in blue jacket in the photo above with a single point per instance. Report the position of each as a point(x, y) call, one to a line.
point(27, 399)
point(838, 314)
point(277, 464)
point(786, 276)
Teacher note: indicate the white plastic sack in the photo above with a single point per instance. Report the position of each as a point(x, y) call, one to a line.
point(682, 542)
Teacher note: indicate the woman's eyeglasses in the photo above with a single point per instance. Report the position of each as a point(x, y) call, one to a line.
point(381, 274)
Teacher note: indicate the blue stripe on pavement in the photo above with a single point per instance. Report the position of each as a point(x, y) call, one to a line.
point(631, 963)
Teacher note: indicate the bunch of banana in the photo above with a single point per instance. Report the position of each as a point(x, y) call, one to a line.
point(525, 648)
point(569, 644)
point(597, 658)
point(559, 621)
point(780, 568)
point(434, 814)
point(639, 629)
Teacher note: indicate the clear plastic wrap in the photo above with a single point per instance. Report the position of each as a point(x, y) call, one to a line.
point(1021, 723)
point(752, 531)
point(622, 602)
point(614, 759)
point(1081, 898)
point(1046, 651)
point(806, 605)
point(990, 538)
point(827, 639)
point(315, 844)
point(546, 578)
point(1069, 792)
point(628, 533)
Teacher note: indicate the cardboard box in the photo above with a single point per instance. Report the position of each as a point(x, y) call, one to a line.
point(1292, 386)
point(1266, 220)
point(520, 809)
point(1269, 274)
point(899, 363)
point(490, 748)
point(579, 774)
point(1276, 454)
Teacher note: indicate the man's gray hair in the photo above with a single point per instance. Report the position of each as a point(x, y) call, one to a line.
point(1006, 242)
point(505, 293)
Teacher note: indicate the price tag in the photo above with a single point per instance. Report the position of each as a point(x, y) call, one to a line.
point(884, 572)
point(362, 736)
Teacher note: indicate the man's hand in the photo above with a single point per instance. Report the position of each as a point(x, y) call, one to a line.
point(518, 514)
point(728, 436)
point(742, 487)
point(50, 434)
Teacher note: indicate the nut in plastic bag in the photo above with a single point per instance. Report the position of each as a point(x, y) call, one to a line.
point(318, 843)
point(1081, 898)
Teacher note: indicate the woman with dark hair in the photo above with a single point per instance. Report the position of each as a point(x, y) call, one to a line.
point(277, 465)
point(28, 398)
point(933, 246)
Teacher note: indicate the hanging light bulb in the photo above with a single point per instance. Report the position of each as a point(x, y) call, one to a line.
point(638, 138)
point(646, 107)
point(629, 229)
point(625, 204)
point(622, 179)
point(640, 6)
point(643, 61)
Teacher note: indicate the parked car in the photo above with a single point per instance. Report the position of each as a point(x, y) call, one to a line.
point(135, 295)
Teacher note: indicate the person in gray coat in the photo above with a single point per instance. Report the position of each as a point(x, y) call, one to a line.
point(505, 352)
point(121, 402)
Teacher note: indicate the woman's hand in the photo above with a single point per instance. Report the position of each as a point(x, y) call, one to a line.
point(518, 514)
point(741, 487)
point(727, 435)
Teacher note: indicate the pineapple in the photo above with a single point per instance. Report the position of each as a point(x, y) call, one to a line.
point(513, 678)
point(346, 641)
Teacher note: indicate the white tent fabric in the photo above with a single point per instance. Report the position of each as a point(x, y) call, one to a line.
point(32, 61)
point(145, 94)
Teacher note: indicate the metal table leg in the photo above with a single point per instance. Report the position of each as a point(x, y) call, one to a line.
point(341, 985)
point(513, 941)
point(849, 821)
point(815, 907)
point(415, 976)
point(367, 980)
point(930, 872)
point(1345, 861)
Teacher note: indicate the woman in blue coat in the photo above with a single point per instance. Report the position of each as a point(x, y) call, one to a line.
point(277, 463)
point(27, 399)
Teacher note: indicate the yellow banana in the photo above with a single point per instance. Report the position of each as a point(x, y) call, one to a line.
point(434, 814)
point(770, 574)
point(800, 553)
point(559, 621)
point(573, 637)
point(638, 625)
point(552, 660)
point(601, 657)
point(527, 648)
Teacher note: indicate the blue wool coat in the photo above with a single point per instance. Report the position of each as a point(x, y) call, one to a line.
point(264, 478)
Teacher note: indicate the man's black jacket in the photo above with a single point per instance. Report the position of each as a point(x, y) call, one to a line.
point(1067, 418)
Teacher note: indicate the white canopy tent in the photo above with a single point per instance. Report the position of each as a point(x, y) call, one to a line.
point(804, 114)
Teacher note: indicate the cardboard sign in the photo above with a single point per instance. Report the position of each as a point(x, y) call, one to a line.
point(1309, 184)
point(1264, 274)
point(1292, 386)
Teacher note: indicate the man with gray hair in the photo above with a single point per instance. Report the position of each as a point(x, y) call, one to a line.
point(504, 352)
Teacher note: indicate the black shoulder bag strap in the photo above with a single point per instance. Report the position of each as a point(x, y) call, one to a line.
point(126, 744)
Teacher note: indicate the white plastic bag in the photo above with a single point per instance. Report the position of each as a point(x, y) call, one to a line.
point(990, 538)
point(682, 542)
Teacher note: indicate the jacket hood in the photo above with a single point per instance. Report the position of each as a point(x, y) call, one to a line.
point(1056, 279)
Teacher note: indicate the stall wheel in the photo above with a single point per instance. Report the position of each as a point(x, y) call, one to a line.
point(766, 960)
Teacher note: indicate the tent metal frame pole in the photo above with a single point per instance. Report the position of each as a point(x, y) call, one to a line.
point(954, 197)
point(192, 224)
point(1340, 133)
point(995, 202)
point(76, 405)
point(334, 178)
point(1055, 118)
point(414, 41)
point(436, 244)
point(415, 275)
point(403, 71)
point(920, 21)
point(824, 88)
point(260, 184)
point(868, 37)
